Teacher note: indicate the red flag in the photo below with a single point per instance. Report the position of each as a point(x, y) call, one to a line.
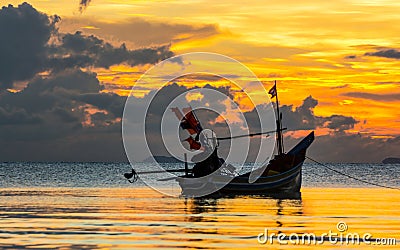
point(190, 122)
point(272, 91)
point(193, 144)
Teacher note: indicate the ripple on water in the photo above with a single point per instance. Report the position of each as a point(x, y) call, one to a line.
point(78, 218)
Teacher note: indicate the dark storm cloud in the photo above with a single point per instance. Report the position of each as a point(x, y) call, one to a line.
point(54, 99)
point(65, 82)
point(374, 97)
point(351, 148)
point(59, 101)
point(12, 116)
point(340, 122)
point(107, 101)
point(387, 53)
point(63, 117)
point(26, 50)
point(78, 50)
point(24, 34)
point(83, 4)
point(303, 118)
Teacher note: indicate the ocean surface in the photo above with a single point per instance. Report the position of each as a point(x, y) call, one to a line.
point(92, 206)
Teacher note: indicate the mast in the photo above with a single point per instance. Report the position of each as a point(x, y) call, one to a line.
point(279, 138)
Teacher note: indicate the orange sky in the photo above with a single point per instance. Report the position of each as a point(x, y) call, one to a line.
point(304, 45)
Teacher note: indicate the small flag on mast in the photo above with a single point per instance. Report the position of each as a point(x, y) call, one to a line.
point(272, 91)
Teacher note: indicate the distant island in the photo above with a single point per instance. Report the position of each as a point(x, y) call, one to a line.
point(391, 160)
point(163, 159)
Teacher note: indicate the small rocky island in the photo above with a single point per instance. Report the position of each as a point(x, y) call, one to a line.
point(391, 160)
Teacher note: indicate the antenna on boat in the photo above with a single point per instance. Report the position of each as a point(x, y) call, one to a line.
point(279, 139)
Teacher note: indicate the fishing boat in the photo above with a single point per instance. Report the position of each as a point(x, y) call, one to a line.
point(283, 174)
point(272, 181)
point(212, 176)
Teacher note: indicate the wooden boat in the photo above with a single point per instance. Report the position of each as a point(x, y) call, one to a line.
point(283, 174)
point(288, 181)
point(212, 176)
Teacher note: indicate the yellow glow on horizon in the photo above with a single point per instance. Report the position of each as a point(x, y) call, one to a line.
point(89, 27)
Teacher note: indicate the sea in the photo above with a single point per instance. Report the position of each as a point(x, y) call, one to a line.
point(92, 206)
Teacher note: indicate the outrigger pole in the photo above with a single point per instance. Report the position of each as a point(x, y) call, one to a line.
point(247, 135)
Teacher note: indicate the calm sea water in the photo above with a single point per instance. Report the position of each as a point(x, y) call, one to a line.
point(91, 206)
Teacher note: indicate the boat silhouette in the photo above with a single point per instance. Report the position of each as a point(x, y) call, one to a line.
point(212, 176)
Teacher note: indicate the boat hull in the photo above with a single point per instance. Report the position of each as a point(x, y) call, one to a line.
point(287, 182)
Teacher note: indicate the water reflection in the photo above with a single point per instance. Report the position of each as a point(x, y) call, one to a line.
point(142, 218)
point(275, 210)
point(196, 207)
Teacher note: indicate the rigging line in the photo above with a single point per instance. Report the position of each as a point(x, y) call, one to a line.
point(352, 177)
point(248, 135)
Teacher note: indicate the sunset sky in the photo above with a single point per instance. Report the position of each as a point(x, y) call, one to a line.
point(344, 53)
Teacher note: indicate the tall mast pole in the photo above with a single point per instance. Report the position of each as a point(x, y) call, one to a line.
point(278, 125)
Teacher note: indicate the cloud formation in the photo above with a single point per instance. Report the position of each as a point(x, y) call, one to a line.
point(339, 122)
point(387, 53)
point(142, 32)
point(61, 118)
point(303, 118)
point(24, 36)
point(63, 115)
point(392, 97)
point(351, 148)
point(78, 50)
point(83, 4)
point(30, 44)
point(66, 117)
